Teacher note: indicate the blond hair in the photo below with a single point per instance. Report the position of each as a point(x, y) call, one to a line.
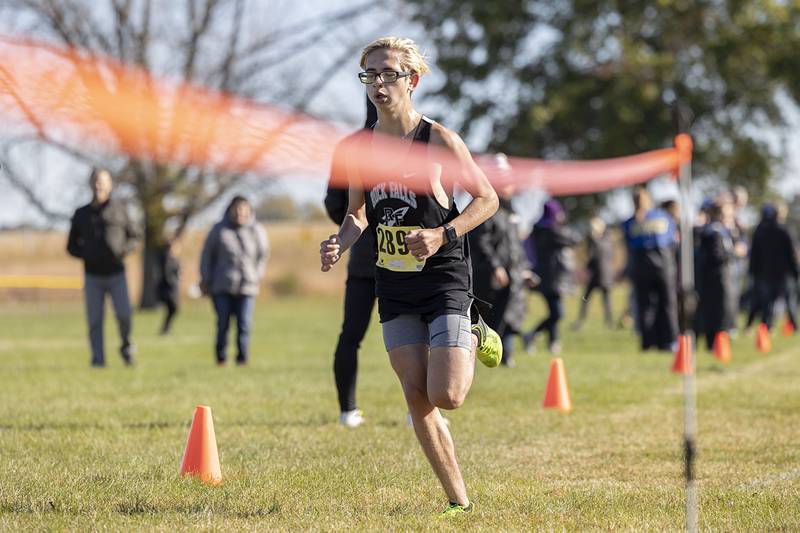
point(410, 56)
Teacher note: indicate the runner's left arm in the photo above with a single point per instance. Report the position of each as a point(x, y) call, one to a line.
point(463, 170)
point(457, 167)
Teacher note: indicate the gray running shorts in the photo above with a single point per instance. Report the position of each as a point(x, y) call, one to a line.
point(444, 330)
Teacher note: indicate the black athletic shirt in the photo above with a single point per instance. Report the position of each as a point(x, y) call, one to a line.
point(443, 284)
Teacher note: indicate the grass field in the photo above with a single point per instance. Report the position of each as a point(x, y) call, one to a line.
point(86, 449)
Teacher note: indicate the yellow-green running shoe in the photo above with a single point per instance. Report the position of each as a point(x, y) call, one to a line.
point(455, 509)
point(490, 347)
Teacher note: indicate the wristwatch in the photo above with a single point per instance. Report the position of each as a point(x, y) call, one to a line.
point(450, 232)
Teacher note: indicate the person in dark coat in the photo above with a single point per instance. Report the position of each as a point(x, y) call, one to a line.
point(101, 234)
point(650, 238)
point(790, 295)
point(549, 250)
point(716, 282)
point(168, 286)
point(359, 301)
point(501, 271)
point(359, 296)
point(773, 264)
point(600, 266)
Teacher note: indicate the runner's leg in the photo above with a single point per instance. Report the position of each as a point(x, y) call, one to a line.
point(410, 363)
point(451, 364)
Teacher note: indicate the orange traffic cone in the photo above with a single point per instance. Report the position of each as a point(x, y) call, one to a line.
point(683, 356)
point(788, 328)
point(763, 340)
point(722, 347)
point(200, 459)
point(557, 393)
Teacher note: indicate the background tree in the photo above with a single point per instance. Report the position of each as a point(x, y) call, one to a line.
point(277, 208)
point(586, 79)
point(282, 207)
point(235, 46)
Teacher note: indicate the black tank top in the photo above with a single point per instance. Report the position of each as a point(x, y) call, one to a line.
point(442, 285)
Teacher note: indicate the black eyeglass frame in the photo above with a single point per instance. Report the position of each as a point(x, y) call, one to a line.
point(364, 77)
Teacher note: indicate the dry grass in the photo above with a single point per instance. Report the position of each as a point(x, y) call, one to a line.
point(90, 450)
point(293, 267)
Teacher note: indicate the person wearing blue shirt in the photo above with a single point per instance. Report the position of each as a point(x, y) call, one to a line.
point(650, 236)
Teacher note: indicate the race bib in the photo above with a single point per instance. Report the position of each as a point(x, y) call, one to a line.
point(393, 253)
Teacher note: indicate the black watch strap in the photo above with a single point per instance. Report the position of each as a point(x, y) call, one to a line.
point(450, 232)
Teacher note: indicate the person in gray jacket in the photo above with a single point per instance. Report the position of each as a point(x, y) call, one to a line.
point(232, 264)
point(101, 234)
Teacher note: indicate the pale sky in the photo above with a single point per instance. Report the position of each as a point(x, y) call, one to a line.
point(342, 101)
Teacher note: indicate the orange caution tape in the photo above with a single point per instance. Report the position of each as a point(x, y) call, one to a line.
point(84, 97)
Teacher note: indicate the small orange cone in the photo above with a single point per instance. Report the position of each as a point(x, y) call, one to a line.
point(200, 459)
point(557, 393)
point(683, 356)
point(763, 340)
point(788, 328)
point(722, 347)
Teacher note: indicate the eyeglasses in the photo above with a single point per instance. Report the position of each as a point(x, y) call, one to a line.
point(387, 76)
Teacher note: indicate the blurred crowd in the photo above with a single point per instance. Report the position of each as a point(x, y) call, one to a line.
point(743, 272)
point(739, 270)
point(232, 266)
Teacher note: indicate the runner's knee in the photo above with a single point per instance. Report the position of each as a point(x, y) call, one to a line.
point(416, 395)
point(451, 397)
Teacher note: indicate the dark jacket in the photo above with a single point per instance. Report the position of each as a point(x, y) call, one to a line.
point(102, 236)
point(715, 279)
point(553, 255)
point(361, 263)
point(495, 243)
point(651, 255)
point(773, 257)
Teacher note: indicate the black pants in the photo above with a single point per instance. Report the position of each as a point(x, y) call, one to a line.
point(656, 303)
point(590, 288)
point(550, 323)
point(359, 299)
point(766, 295)
point(171, 305)
point(791, 302)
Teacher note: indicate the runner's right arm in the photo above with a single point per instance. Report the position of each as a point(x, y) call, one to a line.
point(355, 222)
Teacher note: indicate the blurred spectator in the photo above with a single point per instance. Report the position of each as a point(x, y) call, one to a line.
point(717, 302)
point(101, 234)
point(359, 297)
point(501, 270)
point(169, 285)
point(650, 236)
point(673, 209)
point(793, 218)
point(232, 265)
point(773, 264)
point(740, 202)
point(600, 267)
point(735, 222)
point(549, 250)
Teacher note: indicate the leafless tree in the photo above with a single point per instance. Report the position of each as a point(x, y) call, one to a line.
point(233, 46)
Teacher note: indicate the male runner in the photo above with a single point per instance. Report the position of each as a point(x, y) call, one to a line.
point(423, 276)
